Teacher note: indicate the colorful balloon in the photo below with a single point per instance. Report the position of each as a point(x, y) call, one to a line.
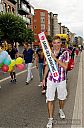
point(1, 64)
point(7, 61)
point(12, 63)
point(10, 68)
point(20, 66)
point(5, 68)
point(19, 60)
point(9, 57)
point(4, 54)
point(1, 59)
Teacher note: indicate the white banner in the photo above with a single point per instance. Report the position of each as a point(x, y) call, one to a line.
point(47, 53)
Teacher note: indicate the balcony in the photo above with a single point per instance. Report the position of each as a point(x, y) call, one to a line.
point(1, 7)
point(27, 1)
point(27, 20)
point(23, 9)
point(13, 1)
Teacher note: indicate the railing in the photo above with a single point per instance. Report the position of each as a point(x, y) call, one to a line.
point(14, 1)
point(27, 1)
point(26, 9)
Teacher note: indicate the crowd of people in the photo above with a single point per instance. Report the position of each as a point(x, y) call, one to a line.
point(61, 56)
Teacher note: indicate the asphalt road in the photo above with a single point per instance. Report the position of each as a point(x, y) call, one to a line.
point(23, 106)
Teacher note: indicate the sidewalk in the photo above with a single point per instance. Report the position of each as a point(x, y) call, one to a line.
point(77, 113)
point(77, 120)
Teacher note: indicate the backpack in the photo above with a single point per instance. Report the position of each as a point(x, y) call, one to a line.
point(70, 64)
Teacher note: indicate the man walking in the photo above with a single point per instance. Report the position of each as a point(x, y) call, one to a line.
point(61, 58)
point(28, 57)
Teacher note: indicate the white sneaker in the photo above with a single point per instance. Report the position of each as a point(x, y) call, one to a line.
point(40, 85)
point(27, 82)
point(0, 87)
point(61, 113)
point(32, 77)
point(50, 123)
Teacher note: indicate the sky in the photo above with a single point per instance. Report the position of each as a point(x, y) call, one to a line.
point(70, 12)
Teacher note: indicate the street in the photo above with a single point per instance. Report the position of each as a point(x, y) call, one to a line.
point(24, 106)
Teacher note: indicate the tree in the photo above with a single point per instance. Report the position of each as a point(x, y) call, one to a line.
point(29, 36)
point(50, 39)
point(13, 28)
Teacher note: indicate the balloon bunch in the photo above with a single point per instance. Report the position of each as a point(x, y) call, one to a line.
point(19, 63)
point(7, 64)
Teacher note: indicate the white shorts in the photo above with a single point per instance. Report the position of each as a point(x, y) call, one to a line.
point(51, 89)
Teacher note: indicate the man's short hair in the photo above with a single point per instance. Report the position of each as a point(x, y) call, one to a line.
point(26, 43)
point(56, 37)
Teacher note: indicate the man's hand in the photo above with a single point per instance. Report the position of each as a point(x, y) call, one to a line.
point(37, 66)
point(43, 83)
point(53, 56)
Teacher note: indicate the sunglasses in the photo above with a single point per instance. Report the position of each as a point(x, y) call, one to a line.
point(56, 42)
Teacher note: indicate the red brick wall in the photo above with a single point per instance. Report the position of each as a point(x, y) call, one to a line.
point(36, 18)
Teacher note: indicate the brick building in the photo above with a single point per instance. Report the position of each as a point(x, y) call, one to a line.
point(9, 6)
point(40, 21)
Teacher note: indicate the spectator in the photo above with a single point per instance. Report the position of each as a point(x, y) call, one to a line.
point(28, 57)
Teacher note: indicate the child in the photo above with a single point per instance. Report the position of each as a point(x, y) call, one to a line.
point(13, 53)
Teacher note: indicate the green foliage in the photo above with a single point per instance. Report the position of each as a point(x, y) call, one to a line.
point(49, 38)
point(29, 36)
point(13, 29)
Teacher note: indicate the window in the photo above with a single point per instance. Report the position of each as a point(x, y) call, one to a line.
point(9, 8)
point(42, 27)
point(13, 10)
point(5, 7)
point(42, 19)
point(35, 27)
point(42, 13)
point(35, 20)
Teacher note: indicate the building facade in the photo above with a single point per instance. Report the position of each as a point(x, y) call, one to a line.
point(56, 29)
point(59, 26)
point(22, 8)
point(9, 6)
point(48, 23)
point(54, 26)
point(40, 21)
point(26, 11)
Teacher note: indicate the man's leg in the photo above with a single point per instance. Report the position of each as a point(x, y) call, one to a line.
point(61, 104)
point(29, 66)
point(31, 75)
point(11, 74)
point(50, 94)
point(40, 71)
point(14, 74)
point(62, 93)
point(50, 106)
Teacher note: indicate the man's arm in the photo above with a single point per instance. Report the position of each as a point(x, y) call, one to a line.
point(63, 64)
point(45, 74)
point(45, 71)
point(36, 56)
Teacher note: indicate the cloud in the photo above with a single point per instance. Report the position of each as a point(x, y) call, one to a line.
point(70, 12)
